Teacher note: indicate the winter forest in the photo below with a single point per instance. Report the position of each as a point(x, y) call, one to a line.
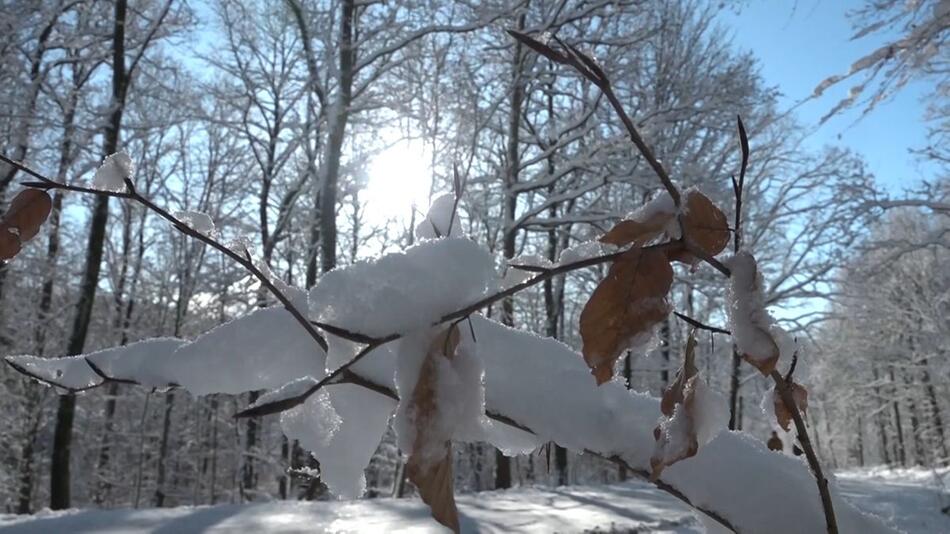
point(484, 266)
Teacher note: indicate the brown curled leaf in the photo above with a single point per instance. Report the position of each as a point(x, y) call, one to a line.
point(436, 485)
point(628, 303)
point(676, 435)
point(429, 466)
point(9, 244)
point(684, 444)
point(673, 394)
point(22, 221)
point(640, 232)
point(705, 225)
point(782, 414)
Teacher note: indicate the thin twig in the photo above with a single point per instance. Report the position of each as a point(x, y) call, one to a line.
point(458, 185)
point(781, 384)
point(26, 372)
point(641, 144)
point(131, 194)
point(106, 378)
point(700, 253)
point(739, 186)
point(334, 377)
point(589, 68)
point(791, 368)
point(700, 325)
point(672, 490)
point(782, 387)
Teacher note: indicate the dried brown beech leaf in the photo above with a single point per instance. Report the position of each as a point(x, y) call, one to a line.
point(430, 462)
point(626, 304)
point(679, 440)
point(639, 232)
point(705, 225)
point(22, 221)
point(782, 414)
point(436, 486)
point(676, 437)
point(673, 394)
point(28, 211)
point(9, 244)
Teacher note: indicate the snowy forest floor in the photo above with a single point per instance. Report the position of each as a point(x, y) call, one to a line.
point(909, 499)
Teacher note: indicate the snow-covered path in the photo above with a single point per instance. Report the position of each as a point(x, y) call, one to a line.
point(909, 500)
point(623, 508)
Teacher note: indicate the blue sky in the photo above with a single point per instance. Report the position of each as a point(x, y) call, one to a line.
point(800, 43)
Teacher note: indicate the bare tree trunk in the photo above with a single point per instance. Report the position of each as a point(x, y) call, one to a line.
point(46, 293)
point(502, 462)
point(901, 451)
point(141, 463)
point(935, 412)
point(159, 498)
point(214, 449)
point(314, 92)
point(248, 476)
point(879, 418)
point(919, 454)
point(285, 457)
point(185, 290)
point(831, 439)
point(399, 491)
point(62, 437)
point(25, 493)
point(339, 116)
point(213, 410)
point(553, 306)
point(735, 421)
point(860, 441)
point(313, 238)
point(627, 371)
point(338, 120)
point(553, 300)
point(121, 323)
point(46, 302)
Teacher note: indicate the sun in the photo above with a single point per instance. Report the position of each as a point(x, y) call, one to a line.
point(400, 180)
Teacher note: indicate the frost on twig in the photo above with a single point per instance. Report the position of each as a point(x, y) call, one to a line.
point(198, 221)
point(442, 220)
point(114, 171)
point(753, 329)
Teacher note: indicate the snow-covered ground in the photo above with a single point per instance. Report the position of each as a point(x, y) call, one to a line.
point(624, 508)
point(910, 500)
